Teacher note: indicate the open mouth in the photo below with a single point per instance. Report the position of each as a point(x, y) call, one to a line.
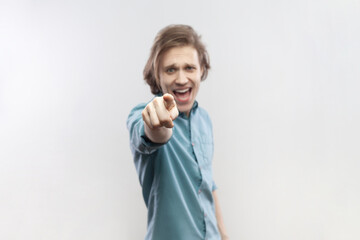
point(182, 95)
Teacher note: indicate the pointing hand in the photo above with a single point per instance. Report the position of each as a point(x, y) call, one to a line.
point(160, 112)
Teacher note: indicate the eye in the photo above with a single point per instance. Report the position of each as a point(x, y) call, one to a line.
point(170, 70)
point(190, 68)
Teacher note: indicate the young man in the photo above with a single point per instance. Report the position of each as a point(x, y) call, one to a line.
point(172, 143)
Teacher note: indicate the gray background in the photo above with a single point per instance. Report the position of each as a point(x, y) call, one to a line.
point(283, 94)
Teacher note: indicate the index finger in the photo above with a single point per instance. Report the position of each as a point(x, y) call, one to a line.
point(169, 101)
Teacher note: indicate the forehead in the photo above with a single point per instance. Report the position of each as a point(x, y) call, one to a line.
point(180, 55)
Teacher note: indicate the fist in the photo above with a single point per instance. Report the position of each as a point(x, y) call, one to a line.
point(160, 112)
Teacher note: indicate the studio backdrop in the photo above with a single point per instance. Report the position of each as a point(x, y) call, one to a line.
point(282, 93)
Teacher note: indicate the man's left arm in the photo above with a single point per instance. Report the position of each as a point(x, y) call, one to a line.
point(219, 218)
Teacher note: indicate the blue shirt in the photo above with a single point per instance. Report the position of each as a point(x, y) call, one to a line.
point(176, 177)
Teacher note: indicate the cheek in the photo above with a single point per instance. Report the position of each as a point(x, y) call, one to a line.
point(197, 76)
point(164, 83)
point(197, 79)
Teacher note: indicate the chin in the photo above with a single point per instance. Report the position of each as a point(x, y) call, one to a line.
point(186, 108)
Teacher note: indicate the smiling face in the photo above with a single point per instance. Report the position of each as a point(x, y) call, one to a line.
point(180, 75)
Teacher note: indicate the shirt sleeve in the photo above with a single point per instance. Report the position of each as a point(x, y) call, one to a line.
point(138, 140)
point(214, 186)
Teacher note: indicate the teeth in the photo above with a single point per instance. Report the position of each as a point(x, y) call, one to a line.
point(182, 91)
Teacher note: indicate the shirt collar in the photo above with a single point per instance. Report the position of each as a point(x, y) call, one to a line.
point(194, 107)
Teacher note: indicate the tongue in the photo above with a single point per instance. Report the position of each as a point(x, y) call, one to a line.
point(182, 97)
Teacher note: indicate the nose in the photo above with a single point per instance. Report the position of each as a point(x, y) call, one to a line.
point(181, 78)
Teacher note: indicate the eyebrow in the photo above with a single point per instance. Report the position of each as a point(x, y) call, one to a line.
point(170, 66)
point(191, 65)
point(176, 66)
